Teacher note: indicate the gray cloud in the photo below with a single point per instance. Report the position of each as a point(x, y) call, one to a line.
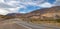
point(15, 5)
point(57, 3)
point(2, 5)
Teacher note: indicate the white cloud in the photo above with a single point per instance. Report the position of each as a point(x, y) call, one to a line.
point(13, 3)
point(12, 6)
point(46, 5)
point(13, 10)
point(1, 1)
point(32, 2)
point(3, 11)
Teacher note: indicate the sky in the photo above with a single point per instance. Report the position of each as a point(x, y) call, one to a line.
point(25, 6)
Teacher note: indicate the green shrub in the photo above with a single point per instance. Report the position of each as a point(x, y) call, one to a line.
point(58, 20)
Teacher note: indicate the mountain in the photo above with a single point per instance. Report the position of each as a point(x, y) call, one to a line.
point(15, 15)
point(44, 13)
point(53, 12)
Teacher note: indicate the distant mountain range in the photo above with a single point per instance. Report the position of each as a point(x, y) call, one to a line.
point(45, 13)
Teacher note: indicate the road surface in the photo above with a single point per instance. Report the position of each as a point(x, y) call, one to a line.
point(26, 25)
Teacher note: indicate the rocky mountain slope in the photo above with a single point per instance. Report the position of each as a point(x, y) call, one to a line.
point(53, 12)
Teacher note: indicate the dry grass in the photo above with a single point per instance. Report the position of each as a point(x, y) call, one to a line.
point(52, 23)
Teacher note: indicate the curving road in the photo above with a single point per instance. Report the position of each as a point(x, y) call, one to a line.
point(29, 25)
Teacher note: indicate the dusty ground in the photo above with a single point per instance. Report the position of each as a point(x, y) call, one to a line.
point(10, 25)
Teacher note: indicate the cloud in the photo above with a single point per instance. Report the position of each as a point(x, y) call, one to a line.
point(13, 6)
point(13, 3)
point(57, 3)
point(3, 11)
point(9, 7)
point(2, 5)
point(32, 2)
point(1, 1)
point(13, 10)
point(46, 5)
